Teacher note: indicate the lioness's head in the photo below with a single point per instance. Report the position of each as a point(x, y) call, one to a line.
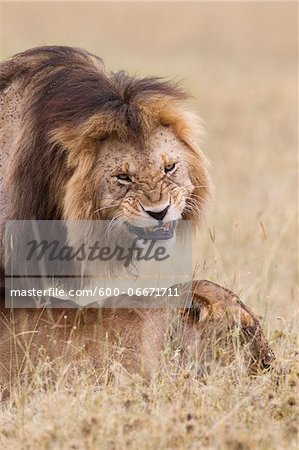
point(102, 145)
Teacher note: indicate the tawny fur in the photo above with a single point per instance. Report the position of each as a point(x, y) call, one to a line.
point(61, 110)
point(68, 125)
point(215, 316)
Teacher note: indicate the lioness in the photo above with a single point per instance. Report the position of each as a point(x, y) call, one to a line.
point(217, 320)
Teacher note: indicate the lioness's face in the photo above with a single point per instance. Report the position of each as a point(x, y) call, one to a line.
point(148, 188)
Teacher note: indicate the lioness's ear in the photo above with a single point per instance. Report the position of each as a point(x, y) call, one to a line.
point(211, 300)
point(211, 292)
point(197, 306)
point(199, 309)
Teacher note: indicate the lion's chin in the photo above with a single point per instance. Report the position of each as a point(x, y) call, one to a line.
point(162, 231)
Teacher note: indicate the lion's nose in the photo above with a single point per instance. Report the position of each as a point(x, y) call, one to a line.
point(158, 215)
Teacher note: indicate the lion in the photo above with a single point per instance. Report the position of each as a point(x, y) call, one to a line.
point(80, 142)
point(216, 327)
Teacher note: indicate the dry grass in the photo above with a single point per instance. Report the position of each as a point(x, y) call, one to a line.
point(239, 61)
point(76, 407)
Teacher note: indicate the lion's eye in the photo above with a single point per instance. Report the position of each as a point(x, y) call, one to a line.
point(169, 168)
point(123, 177)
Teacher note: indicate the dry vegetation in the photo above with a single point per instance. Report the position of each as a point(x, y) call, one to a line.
point(239, 61)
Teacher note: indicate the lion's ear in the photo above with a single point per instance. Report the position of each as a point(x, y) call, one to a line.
point(210, 300)
point(211, 292)
point(197, 306)
point(199, 310)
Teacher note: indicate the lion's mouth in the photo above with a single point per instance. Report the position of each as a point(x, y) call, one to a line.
point(160, 232)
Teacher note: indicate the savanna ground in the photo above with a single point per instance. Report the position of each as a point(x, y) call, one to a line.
point(239, 62)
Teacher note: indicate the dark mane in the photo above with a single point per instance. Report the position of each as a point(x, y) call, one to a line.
point(59, 102)
point(69, 85)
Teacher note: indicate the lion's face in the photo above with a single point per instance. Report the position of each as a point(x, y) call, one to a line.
point(100, 145)
point(148, 188)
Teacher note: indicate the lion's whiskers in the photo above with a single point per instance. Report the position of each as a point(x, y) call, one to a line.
point(113, 222)
point(197, 185)
point(105, 207)
point(195, 196)
point(193, 206)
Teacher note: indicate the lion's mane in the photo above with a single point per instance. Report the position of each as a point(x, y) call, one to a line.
point(64, 101)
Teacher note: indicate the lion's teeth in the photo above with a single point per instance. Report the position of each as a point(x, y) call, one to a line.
point(150, 229)
point(165, 227)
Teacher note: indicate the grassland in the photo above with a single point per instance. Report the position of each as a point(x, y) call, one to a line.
point(239, 62)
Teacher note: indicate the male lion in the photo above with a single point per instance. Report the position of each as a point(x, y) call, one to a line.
point(79, 142)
